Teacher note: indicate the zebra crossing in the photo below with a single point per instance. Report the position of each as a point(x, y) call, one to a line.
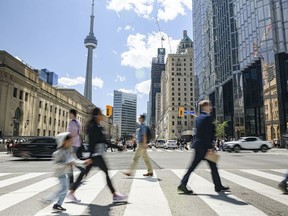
point(253, 192)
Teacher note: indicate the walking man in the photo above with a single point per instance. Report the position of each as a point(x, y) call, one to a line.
point(203, 143)
point(141, 150)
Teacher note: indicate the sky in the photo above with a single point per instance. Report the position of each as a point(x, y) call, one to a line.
point(50, 34)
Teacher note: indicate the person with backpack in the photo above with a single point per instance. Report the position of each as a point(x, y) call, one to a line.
point(144, 135)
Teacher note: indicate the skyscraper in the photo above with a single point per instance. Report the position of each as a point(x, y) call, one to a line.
point(90, 43)
point(124, 112)
point(241, 63)
point(158, 66)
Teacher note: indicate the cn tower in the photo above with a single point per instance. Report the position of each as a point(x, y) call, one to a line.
point(90, 43)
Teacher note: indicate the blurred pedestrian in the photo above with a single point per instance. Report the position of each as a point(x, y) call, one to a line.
point(283, 185)
point(141, 151)
point(203, 144)
point(62, 168)
point(97, 141)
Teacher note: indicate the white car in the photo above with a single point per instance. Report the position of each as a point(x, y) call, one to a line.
point(160, 143)
point(170, 144)
point(247, 143)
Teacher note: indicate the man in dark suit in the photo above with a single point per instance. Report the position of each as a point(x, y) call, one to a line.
point(203, 143)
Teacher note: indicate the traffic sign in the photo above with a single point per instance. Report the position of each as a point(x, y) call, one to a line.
point(186, 112)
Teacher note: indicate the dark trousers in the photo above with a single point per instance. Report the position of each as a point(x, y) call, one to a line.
point(98, 161)
point(84, 172)
point(199, 156)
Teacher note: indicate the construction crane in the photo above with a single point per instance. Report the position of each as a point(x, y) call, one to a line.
point(162, 36)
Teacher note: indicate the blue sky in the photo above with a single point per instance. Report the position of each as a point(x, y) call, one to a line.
point(50, 34)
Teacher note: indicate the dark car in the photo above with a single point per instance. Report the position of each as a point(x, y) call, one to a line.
point(39, 147)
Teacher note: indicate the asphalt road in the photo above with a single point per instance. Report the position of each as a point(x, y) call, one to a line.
point(253, 178)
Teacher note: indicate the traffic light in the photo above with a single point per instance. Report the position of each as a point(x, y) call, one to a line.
point(108, 111)
point(181, 112)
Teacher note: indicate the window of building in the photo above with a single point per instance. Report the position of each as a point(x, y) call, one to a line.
point(184, 60)
point(178, 59)
point(172, 89)
point(185, 123)
point(62, 123)
point(185, 94)
point(44, 132)
point(179, 89)
point(191, 94)
point(26, 96)
point(172, 68)
point(40, 104)
point(173, 104)
point(172, 79)
point(172, 93)
point(66, 125)
point(190, 59)
point(179, 99)
point(179, 84)
point(46, 105)
point(185, 70)
point(59, 111)
point(173, 123)
point(172, 98)
point(50, 121)
point(63, 113)
point(39, 117)
point(172, 59)
point(173, 131)
point(49, 133)
point(190, 64)
point(191, 69)
point(173, 109)
point(53, 133)
point(172, 63)
point(179, 94)
point(59, 123)
point(44, 119)
point(184, 84)
point(179, 79)
point(185, 117)
point(21, 95)
point(172, 74)
point(55, 110)
point(51, 107)
point(54, 122)
point(38, 132)
point(172, 84)
point(15, 92)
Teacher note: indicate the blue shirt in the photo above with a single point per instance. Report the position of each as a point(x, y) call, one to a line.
point(142, 131)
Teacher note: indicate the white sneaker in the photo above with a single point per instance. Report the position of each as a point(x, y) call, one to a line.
point(72, 197)
point(118, 197)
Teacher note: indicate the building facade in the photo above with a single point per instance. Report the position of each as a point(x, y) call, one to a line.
point(158, 66)
point(247, 45)
point(124, 113)
point(32, 107)
point(177, 90)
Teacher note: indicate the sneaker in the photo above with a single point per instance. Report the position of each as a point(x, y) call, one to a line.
point(222, 189)
point(183, 188)
point(148, 174)
point(72, 197)
point(118, 197)
point(58, 207)
point(283, 187)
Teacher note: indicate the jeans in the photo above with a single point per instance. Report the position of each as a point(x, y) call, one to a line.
point(61, 193)
point(84, 172)
point(199, 156)
point(141, 151)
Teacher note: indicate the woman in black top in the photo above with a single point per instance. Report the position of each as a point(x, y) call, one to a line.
point(97, 143)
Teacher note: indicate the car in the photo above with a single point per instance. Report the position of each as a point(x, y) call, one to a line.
point(247, 143)
point(160, 143)
point(170, 144)
point(38, 147)
point(285, 137)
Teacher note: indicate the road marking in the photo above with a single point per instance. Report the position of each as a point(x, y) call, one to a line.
point(4, 174)
point(168, 150)
point(146, 197)
point(17, 179)
point(149, 150)
point(223, 204)
point(283, 171)
point(264, 175)
point(159, 150)
point(262, 189)
point(179, 150)
point(86, 193)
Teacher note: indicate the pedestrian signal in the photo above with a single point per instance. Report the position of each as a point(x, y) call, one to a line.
point(181, 111)
point(108, 110)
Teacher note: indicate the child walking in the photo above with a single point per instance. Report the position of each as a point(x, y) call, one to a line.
point(63, 159)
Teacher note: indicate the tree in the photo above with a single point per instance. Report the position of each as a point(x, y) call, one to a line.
point(220, 129)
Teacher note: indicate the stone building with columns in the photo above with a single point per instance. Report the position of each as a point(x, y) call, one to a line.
point(32, 107)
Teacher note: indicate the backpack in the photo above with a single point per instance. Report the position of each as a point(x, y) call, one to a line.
point(148, 134)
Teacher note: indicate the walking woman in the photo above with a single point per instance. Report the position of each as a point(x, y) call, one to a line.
point(97, 143)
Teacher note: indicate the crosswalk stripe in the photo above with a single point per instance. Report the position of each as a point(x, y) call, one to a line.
point(4, 174)
point(179, 150)
point(146, 197)
point(168, 150)
point(283, 171)
point(260, 188)
point(94, 185)
point(159, 150)
point(224, 204)
point(17, 179)
point(264, 175)
point(149, 150)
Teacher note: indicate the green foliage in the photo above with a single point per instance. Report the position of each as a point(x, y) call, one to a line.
point(220, 129)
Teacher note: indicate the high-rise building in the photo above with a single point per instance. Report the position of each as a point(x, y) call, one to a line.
point(90, 43)
point(246, 43)
point(158, 66)
point(51, 77)
point(177, 90)
point(124, 113)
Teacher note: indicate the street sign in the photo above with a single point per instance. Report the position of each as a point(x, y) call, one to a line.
point(186, 112)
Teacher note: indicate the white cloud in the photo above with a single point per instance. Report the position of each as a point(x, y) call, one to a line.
point(142, 7)
point(115, 52)
point(67, 81)
point(140, 89)
point(142, 48)
point(128, 27)
point(120, 78)
point(119, 29)
point(143, 87)
point(166, 9)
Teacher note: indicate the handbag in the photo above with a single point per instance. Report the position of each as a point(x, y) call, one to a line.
point(212, 156)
